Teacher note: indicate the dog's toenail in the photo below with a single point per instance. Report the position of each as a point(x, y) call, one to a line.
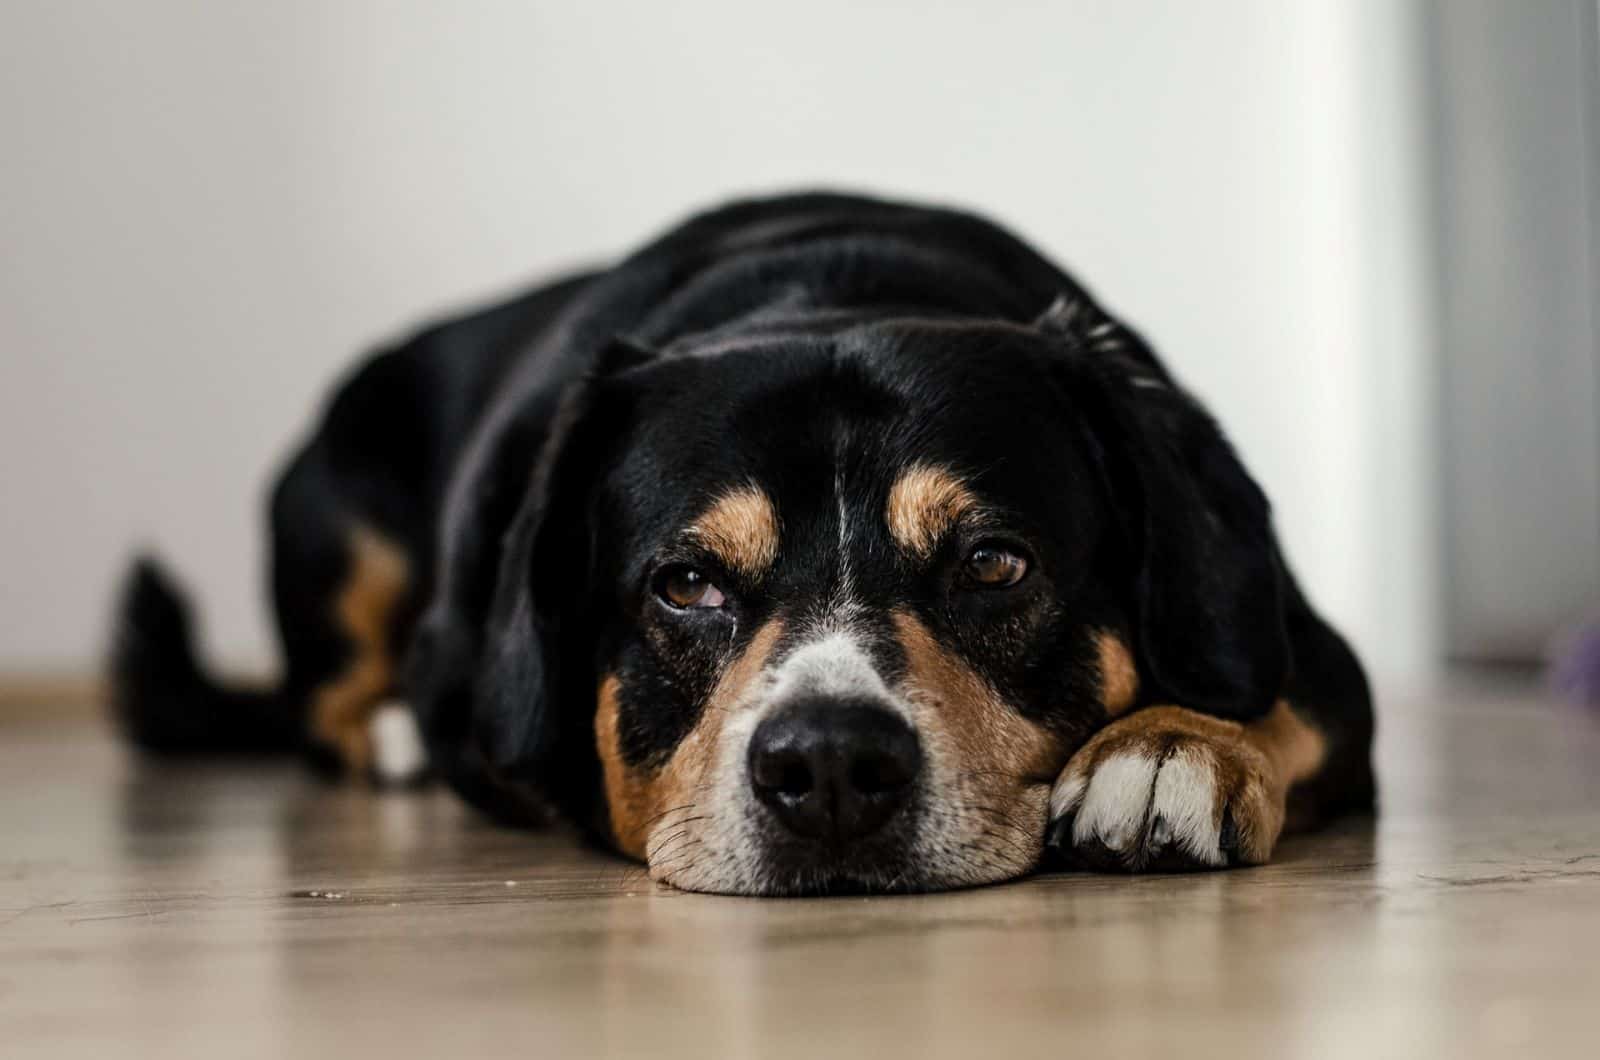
point(1228, 838)
point(1059, 834)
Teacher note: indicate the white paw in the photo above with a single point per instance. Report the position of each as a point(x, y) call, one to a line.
point(1166, 788)
point(398, 756)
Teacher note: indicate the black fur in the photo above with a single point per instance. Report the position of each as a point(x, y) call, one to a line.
point(164, 698)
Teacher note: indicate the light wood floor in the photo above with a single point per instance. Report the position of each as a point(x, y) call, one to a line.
point(158, 910)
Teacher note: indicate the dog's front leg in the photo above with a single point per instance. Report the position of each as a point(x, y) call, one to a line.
point(1168, 788)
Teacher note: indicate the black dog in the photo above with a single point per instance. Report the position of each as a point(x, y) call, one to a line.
point(824, 543)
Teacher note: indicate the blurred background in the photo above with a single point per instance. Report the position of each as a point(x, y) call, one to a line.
point(1364, 232)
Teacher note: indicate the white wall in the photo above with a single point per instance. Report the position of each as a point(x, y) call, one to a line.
point(206, 209)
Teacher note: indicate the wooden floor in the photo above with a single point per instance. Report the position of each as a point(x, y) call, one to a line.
point(163, 911)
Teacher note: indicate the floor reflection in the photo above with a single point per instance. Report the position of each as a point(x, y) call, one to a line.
point(159, 907)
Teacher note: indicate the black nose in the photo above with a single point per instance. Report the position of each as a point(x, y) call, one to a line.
point(833, 770)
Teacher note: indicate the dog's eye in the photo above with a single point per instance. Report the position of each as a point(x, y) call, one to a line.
point(684, 587)
point(993, 566)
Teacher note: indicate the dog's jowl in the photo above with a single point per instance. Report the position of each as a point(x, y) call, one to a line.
point(824, 544)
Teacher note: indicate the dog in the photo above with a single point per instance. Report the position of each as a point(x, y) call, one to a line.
point(825, 544)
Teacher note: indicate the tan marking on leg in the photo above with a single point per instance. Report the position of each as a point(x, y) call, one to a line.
point(924, 503)
point(375, 586)
point(642, 801)
point(741, 528)
point(1119, 679)
point(1295, 746)
point(1295, 752)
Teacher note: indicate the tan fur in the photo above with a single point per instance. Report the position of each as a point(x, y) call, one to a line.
point(741, 528)
point(1254, 764)
point(924, 503)
point(1296, 749)
point(1119, 680)
point(641, 800)
point(999, 765)
point(376, 584)
point(986, 733)
point(628, 796)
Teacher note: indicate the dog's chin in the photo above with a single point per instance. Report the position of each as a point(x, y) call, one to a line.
point(891, 865)
point(882, 865)
point(841, 881)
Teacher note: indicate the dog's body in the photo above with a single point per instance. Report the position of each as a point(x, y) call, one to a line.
point(825, 542)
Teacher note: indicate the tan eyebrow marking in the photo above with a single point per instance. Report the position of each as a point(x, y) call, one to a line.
point(741, 529)
point(924, 504)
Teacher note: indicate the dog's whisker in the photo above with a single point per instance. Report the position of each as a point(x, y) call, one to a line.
point(1001, 817)
point(660, 847)
point(1013, 846)
point(666, 864)
point(670, 810)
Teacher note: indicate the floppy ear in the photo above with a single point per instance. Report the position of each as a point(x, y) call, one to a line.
point(1209, 591)
point(534, 635)
point(502, 637)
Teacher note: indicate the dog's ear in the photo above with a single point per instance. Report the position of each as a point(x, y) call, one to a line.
point(535, 630)
point(1208, 592)
point(501, 641)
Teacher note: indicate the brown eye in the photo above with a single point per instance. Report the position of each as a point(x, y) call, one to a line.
point(685, 588)
point(993, 567)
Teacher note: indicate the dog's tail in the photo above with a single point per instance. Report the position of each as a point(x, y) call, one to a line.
point(164, 698)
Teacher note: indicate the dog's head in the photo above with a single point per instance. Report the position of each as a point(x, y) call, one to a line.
point(829, 607)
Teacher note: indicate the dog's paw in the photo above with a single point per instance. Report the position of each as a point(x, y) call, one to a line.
point(1166, 789)
point(398, 757)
